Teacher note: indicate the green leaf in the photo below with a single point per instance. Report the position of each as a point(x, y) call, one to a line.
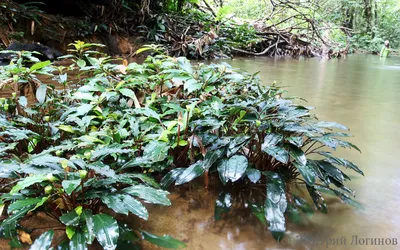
point(41, 93)
point(106, 230)
point(191, 85)
point(341, 162)
point(280, 154)
point(13, 218)
point(317, 199)
point(307, 172)
point(165, 241)
point(275, 205)
point(190, 173)
point(81, 63)
point(89, 227)
point(70, 231)
point(323, 124)
point(169, 178)
point(135, 207)
point(23, 203)
point(39, 204)
point(115, 203)
point(70, 185)
point(271, 140)
point(43, 242)
point(149, 194)
point(131, 94)
point(297, 154)
point(70, 219)
point(78, 241)
point(211, 157)
point(39, 65)
point(28, 181)
point(222, 205)
point(232, 169)
point(253, 174)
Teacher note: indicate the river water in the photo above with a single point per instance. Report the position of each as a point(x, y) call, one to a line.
point(361, 92)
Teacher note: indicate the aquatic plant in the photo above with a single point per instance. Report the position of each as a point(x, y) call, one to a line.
point(90, 154)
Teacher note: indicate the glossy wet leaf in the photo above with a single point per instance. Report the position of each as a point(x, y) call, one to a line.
point(233, 169)
point(135, 207)
point(211, 157)
point(78, 241)
point(106, 230)
point(16, 205)
point(70, 218)
point(253, 174)
point(114, 201)
point(223, 205)
point(297, 154)
point(43, 242)
point(341, 162)
point(28, 181)
point(89, 225)
point(149, 194)
point(165, 241)
point(192, 172)
point(307, 172)
point(280, 154)
point(275, 205)
point(169, 178)
point(271, 140)
point(70, 185)
point(318, 200)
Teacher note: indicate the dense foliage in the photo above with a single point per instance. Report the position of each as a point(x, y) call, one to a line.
point(91, 152)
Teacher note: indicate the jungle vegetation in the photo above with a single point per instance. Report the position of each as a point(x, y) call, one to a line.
point(88, 154)
point(210, 28)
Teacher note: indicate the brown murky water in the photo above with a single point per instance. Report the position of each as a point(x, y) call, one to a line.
point(362, 92)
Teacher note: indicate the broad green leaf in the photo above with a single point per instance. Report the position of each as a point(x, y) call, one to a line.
point(222, 205)
point(232, 169)
point(323, 124)
point(81, 63)
point(280, 154)
point(78, 241)
point(16, 205)
point(191, 85)
point(149, 194)
point(115, 203)
point(106, 230)
point(275, 205)
point(211, 157)
point(169, 178)
point(70, 231)
point(135, 207)
point(131, 94)
point(41, 93)
point(165, 241)
point(43, 242)
point(341, 162)
point(28, 181)
point(190, 173)
point(307, 172)
point(14, 217)
point(40, 203)
point(297, 154)
point(39, 65)
point(70, 219)
point(271, 140)
point(253, 174)
point(303, 205)
point(70, 185)
point(89, 226)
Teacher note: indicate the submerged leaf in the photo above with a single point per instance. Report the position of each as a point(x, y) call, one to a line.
point(165, 241)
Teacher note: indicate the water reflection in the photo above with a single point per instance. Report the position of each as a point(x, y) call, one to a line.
point(362, 92)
